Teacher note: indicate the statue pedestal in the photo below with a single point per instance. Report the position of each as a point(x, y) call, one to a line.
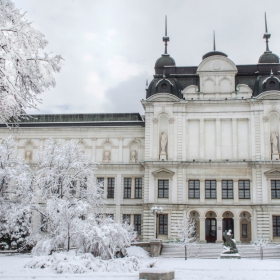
point(230, 256)
point(275, 156)
point(162, 156)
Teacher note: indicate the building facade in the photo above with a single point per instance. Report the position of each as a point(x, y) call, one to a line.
point(208, 146)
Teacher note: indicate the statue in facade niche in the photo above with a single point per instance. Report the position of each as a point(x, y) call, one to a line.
point(28, 155)
point(133, 156)
point(163, 143)
point(274, 142)
point(107, 156)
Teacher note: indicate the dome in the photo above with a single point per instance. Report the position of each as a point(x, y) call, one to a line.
point(269, 57)
point(213, 53)
point(165, 60)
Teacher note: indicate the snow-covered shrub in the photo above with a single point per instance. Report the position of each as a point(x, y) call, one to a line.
point(71, 263)
point(26, 69)
point(260, 243)
point(137, 251)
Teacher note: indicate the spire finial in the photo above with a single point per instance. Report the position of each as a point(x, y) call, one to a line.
point(146, 84)
point(266, 35)
point(271, 73)
point(165, 38)
point(214, 41)
point(163, 75)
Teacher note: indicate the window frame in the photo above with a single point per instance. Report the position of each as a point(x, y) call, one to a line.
point(243, 189)
point(194, 189)
point(127, 187)
point(137, 224)
point(275, 190)
point(163, 227)
point(138, 188)
point(212, 189)
point(127, 218)
point(227, 190)
point(163, 188)
point(111, 187)
point(276, 226)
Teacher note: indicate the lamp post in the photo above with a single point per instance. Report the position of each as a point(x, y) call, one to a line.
point(155, 211)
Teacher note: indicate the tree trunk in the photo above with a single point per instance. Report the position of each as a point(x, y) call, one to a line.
point(186, 254)
point(261, 253)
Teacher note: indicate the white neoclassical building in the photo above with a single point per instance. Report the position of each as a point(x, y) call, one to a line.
point(208, 145)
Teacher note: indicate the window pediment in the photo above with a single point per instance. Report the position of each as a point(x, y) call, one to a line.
point(273, 173)
point(163, 173)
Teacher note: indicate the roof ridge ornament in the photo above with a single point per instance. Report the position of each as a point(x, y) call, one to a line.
point(266, 35)
point(165, 38)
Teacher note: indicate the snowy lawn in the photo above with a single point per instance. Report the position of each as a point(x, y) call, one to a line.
point(12, 267)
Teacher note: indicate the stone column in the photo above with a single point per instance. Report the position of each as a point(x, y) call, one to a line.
point(219, 230)
point(93, 157)
point(236, 221)
point(219, 191)
point(156, 148)
point(218, 138)
point(235, 192)
point(121, 150)
point(201, 138)
point(202, 191)
point(202, 230)
point(234, 139)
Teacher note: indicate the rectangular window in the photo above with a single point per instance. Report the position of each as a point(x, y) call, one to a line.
point(127, 188)
point(244, 230)
point(276, 225)
point(275, 189)
point(137, 223)
point(163, 224)
point(227, 189)
point(110, 216)
point(111, 188)
point(210, 189)
point(138, 187)
point(163, 188)
point(127, 218)
point(194, 189)
point(244, 189)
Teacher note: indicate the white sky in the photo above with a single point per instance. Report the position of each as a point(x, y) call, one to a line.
point(110, 46)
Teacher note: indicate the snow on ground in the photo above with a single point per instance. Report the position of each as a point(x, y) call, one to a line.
point(12, 267)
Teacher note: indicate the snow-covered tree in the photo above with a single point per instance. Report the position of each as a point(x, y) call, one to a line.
point(187, 233)
point(260, 243)
point(105, 237)
point(15, 194)
point(66, 185)
point(25, 69)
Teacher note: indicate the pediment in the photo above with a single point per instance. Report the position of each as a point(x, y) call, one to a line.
point(271, 94)
point(163, 173)
point(216, 63)
point(273, 173)
point(167, 97)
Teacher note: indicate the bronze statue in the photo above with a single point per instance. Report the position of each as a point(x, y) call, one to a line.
point(229, 243)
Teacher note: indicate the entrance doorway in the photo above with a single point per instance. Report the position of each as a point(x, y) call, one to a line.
point(228, 223)
point(210, 230)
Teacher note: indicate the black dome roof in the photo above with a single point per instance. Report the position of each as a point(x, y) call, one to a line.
point(165, 60)
point(269, 57)
point(213, 53)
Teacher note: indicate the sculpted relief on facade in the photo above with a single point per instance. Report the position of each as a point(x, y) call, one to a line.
point(163, 146)
point(106, 156)
point(274, 145)
point(133, 156)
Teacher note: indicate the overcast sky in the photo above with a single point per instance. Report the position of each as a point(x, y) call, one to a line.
point(110, 47)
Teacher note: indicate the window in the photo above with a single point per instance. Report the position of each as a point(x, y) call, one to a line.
point(244, 231)
point(138, 187)
point(111, 187)
point(100, 182)
point(194, 189)
point(137, 223)
point(110, 216)
point(73, 188)
point(163, 224)
point(127, 188)
point(275, 189)
point(127, 218)
point(276, 225)
point(244, 189)
point(227, 189)
point(163, 188)
point(210, 189)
